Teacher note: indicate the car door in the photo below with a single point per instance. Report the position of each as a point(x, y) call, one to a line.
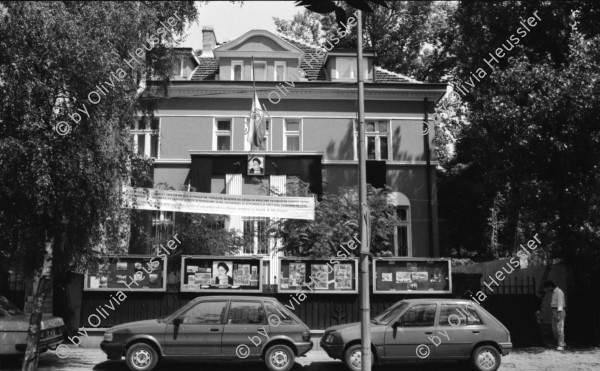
point(200, 332)
point(246, 330)
point(462, 327)
point(407, 336)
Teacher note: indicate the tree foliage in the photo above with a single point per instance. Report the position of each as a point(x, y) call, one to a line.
point(412, 37)
point(52, 55)
point(527, 163)
point(305, 26)
point(336, 221)
point(204, 234)
point(59, 194)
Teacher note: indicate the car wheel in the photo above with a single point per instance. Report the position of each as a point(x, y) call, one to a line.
point(486, 358)
point(353, 358)
point(141, 357)
point(279, 357)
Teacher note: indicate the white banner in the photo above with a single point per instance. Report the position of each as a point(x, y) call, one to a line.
point(214, 203)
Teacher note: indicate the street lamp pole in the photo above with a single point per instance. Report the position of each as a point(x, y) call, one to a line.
point(365, 317)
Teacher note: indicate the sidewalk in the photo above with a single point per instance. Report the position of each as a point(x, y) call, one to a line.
point(530, 359)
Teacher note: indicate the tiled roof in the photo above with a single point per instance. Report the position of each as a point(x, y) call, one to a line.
point(383, 75)
point(315, 71)
point(207, 69)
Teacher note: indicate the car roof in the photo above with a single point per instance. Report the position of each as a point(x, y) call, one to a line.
point(432, 300)
point(235, 297)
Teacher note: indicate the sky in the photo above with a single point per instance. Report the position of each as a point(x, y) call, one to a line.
point(231, 20)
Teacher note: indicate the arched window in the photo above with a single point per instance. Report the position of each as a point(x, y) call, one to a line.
point(402, 232)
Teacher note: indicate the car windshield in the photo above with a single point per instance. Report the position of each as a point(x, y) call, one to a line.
point(390, 313)
point(8, 309)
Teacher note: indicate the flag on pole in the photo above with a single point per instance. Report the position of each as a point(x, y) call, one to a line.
point(256, 127)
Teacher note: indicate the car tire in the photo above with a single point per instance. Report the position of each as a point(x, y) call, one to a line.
point(279, 357)
point(353, 356)
point(486, 358)
point(141, 357)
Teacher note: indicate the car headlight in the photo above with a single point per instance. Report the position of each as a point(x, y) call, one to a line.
point(329, 338)
point(108, 336)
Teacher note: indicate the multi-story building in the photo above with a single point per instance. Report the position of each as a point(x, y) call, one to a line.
point(199, 134)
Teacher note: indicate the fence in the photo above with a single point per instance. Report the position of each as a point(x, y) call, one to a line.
point(514, 303)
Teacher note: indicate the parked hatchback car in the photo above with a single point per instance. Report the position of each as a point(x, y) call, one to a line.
point(213, 328)
point(425, 330)
point(14, 326)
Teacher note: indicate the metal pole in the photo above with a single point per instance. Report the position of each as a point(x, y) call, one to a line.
point(428, 177)
point(365, 317)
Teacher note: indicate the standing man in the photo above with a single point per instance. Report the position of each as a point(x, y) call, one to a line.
point(558, 313)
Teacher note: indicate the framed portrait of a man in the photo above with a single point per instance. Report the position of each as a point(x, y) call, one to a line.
point(256, 165)
point(223, 271)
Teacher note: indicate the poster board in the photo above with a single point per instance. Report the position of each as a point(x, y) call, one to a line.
point(118, 273)
point(412, 276)
point(234, 274)
point(329, 276)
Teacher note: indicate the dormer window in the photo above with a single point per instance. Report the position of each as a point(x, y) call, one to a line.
point(279, 71)
point(345, 68)
point(177, 70)
point(237, 70)
point(260, 71)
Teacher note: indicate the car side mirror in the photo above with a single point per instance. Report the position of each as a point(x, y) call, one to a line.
point(399, 323)
point(178, 321)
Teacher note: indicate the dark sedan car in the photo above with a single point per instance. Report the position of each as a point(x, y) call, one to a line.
point(425, 330)
point(213, 328)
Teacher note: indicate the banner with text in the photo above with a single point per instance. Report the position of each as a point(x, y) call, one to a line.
point(214, 203)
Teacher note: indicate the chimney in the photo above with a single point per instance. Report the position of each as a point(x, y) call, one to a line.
point(209, 40)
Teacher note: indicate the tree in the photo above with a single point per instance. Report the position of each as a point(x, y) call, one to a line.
point(520, 166)
point(205, 234)
point(412, 37)
point(202, 234)
point(59, 193)
point(336, 221)
point(304, 26)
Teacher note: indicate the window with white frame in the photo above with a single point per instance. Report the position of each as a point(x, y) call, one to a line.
point(256, 235)
point(345, 68)
point(291, 135)
point(266, 145)
point(237, 70)
point(279, 71)
point(260, 71)
point(145, 131)
point(376, 138)
point(222, 137)
point(177, 70)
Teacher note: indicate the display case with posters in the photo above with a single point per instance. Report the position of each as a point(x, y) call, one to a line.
point(411, 275)
point(329, 276)
point(221, 274)
point(120, 272)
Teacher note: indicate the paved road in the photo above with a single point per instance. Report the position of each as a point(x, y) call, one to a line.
point(531, 359)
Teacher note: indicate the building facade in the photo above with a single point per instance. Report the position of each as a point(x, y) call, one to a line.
point(199, 133)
